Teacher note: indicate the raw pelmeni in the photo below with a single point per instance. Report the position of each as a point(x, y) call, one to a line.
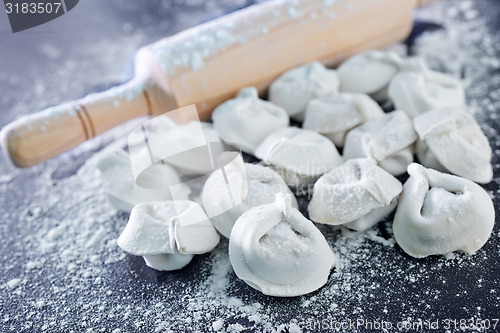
point(300, 156)
point(388, 139)
point(369, 73)
point(168, 233)
point(279, 252)
point(187, 147)
point(334, 115)
point(122, 191)
point(296, 87)
point(417, 89)
point(450, 140)
point(440, 213)
point(253, 186)
point(246, 120)
point(356, 194)
point(187, 135)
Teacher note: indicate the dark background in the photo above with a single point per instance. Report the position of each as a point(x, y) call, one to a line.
point(90, 49)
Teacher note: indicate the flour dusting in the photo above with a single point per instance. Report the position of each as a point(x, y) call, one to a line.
point(67, 274)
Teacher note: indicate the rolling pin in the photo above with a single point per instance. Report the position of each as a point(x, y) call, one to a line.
point(210, 63)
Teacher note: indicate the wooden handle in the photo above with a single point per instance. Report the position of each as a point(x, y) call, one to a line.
point(36, 138)
point(209, 64)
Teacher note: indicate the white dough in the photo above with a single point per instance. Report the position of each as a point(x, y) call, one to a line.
point(188, 147)
point(246, 120)
point(300, 156)
point(417, 89)
point(122, 191)
point(253, 186)
point(452, 141)
point(276, 250)
point(388, 139)
point(296, 87)
point(334, 115)
point(369, 73)
point(439, 213)
point(356, 194)
point(168, 233)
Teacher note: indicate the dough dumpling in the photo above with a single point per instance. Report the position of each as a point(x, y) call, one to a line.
point(300, 156)
point(246, 120)
point(123, 193)
point(440, 213)
point(369, 73)
point(450, 140)
point(254, 186)
point(388, 139)
point(334, 115)
point(168, 233)
point(276, 250)
point(296, 87)
point(417, 89)
point(163, 141)
point(356, 194)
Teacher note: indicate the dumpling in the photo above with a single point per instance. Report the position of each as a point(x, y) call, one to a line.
point(188, 147)
point(246, 120)
point(369, 73)
point(226, 198)
point(123, 193)
point(452, 141)
point(356, 194)
point(296, 87)
point(168, 233)
point(334, 115)
point(388, 139)
point(276, 250)
point(416, 89)
point(439, 213)
point(300, 156)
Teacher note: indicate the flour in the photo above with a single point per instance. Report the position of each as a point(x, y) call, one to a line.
point(14, 283)
point(100, 288)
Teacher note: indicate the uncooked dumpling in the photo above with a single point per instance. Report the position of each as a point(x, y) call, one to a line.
point(334, 115)
point(369, 73)
point(188, 147)
point(168, 233)
point(439, 213)
point(296, 87)
point(246, 120)
point(452, 141)
point(388, 139)
point(247, 187)
point(417, 89)
point(356, 194)
point(122, 191)
point(300, 156)
point(276, 250)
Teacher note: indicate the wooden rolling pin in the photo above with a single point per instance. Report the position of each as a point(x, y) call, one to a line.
point(210, 63)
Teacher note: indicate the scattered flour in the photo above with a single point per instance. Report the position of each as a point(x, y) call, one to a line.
point(65, 273)
point(14, 283)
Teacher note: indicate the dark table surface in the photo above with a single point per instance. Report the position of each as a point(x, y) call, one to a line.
point(62, 270)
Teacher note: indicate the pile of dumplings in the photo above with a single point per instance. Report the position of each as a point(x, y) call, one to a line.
point(344, 152)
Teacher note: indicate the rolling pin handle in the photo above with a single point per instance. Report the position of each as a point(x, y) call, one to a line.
point(38, 137)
